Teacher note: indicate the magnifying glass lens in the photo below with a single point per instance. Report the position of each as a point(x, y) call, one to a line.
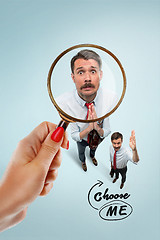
point(86, 83)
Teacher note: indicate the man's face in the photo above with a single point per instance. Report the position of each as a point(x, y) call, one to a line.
point(117, 143)
point(86, 77)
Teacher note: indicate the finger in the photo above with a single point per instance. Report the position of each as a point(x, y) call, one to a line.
point(51, 176)
point(90, 107)
point(29, 147)
point(41, 132)
point(93, 109)
point(56, 162)
point(49, 149)
point(94, 112)
point(133, 133)
point(46, 189)
point(89, 115)
point(131, 140)
point(65, 143)
point(36, 138)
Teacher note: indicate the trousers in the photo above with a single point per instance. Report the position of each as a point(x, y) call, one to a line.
point(122, 171)
point(81, 150)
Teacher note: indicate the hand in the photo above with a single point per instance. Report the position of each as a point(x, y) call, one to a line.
point(94, 114)
point(95, 124)
point(30, 173)
point(90, 117)
point(132, 142)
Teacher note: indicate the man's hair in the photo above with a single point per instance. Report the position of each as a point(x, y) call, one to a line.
point(86, 55)
point(116, 135)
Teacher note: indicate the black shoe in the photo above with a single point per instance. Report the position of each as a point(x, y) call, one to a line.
point(84, 166)
point(111, 174)
point(94, 161)
point(115, 180)
point(122, 185)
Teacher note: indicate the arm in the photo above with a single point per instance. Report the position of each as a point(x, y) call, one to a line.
point(35, 160)
point(110, 156)
point(86, 131)
point(135, 155)
point(78, 135)
point(99, 129)
point(132, 144)
point(106, 127)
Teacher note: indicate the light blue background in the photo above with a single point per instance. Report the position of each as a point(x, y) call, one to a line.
point(33, 33)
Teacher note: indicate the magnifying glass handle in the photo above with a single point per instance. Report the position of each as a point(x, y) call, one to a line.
point(59, 131)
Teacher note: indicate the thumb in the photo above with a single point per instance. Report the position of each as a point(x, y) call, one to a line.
point(49, 148)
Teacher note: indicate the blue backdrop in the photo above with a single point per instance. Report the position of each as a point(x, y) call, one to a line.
point(33, 33)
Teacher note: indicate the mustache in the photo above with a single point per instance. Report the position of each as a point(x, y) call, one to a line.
point(116, 148)
point(87, 85)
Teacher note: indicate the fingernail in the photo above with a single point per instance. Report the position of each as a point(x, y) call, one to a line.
point(57, 134)
point(67, 145)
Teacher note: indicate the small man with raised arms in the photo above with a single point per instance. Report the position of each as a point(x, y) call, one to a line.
point(119, 156)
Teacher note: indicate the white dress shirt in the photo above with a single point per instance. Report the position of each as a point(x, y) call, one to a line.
point(123, 155)
point(74, 106)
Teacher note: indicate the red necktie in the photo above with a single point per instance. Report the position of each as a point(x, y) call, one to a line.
point(87, 105)
point(114, 160)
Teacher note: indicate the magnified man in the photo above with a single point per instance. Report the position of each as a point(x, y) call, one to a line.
point(88, 101)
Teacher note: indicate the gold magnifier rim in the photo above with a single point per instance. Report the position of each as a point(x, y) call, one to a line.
point(64, 115)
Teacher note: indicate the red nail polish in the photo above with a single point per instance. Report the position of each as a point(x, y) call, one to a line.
point(67, 145)
point(57, 134)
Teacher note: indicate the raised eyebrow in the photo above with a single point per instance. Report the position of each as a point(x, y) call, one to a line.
point(94, 67)
point(116, 143)
point(79, 68)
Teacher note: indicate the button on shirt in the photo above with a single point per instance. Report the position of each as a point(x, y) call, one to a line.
point(74, 106)
point(123, 155)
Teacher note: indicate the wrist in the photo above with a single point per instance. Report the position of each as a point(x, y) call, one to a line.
point(4, 206)
point(9, 201)
point(90, 128)
point(9, 214)
point(96, 127)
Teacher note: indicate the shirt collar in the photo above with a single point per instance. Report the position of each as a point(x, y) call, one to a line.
point(82, 102)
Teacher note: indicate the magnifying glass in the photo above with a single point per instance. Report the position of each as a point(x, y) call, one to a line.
point(111, 85)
